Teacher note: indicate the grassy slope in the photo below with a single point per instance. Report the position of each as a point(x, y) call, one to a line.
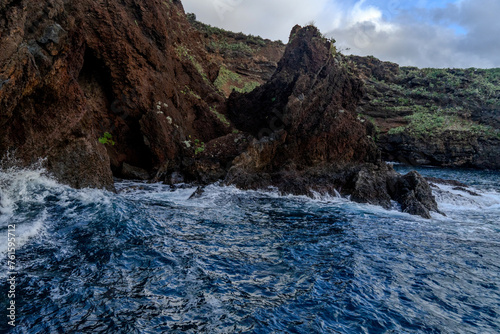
point(231, 50)
point(432, 101)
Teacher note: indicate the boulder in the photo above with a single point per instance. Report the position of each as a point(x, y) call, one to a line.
point(414, 194)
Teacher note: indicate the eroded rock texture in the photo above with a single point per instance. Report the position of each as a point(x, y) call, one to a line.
point(308, 137)
point(71, 71)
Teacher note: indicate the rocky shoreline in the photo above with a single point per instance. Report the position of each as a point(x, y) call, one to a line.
point(129, 89)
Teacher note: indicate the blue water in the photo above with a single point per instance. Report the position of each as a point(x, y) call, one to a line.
point(150, 260)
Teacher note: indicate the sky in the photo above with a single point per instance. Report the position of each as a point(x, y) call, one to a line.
point(422, 33)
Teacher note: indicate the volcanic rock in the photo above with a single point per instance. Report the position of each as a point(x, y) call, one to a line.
point(127, 87)
point(308, 137)
point(73, 72)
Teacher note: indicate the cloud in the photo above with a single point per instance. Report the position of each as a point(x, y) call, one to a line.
point(423, 33)
point(456, 35)
point(272, 19)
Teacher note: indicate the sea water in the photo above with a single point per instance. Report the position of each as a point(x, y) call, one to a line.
point(148, 259)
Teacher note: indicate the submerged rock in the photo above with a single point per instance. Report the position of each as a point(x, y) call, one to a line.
point(197, 193)
point(470, 192)
point(445, 181)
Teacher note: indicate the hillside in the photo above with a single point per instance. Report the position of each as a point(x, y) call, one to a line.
point(442, 117)
point(244, 61)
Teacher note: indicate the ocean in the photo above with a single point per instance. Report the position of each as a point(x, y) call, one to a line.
point(150, 259)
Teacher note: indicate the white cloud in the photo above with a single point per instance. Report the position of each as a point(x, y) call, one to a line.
point(417, 36)
point(427, 38)
point(368, 14)
point(272, 19)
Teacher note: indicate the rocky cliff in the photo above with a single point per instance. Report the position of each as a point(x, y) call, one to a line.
point(129, 88)
point(442, 117)
point(89, 84)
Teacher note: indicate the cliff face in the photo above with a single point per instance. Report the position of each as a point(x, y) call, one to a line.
point(311, 100)
point(442, 117)
point(90, 84)
point(129, 88)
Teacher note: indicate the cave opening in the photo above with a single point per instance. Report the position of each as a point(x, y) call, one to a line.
point(111, 114)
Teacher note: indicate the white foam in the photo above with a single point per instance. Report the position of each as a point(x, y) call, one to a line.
point(451, 198)
point(327, 197)
point(217, 195)
point(22, 186)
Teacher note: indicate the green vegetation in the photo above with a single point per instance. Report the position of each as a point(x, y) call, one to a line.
point(436, 123)
point(205, 28)
point(107, 139)
point(198, 146)
point(184, 53)
point(397, 130)
point(333, 49)
point(220, 116)
point(226, 75)
point(234, 80)
point(469, 88)
point(223, 46)
point(211, 31)
point(247, 87)
point(469, 85)
point(188, 91)
point(435, 101)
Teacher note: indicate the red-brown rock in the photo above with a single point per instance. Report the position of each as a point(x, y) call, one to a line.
point(71, 71)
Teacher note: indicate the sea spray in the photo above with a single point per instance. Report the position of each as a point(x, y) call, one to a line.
point(21, 190)
point(28, 193)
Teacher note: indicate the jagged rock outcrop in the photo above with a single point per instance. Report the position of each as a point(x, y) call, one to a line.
point(72, 72)
point(380, 184)
point(312, 98)
point(414, 194)
point(307, 136)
